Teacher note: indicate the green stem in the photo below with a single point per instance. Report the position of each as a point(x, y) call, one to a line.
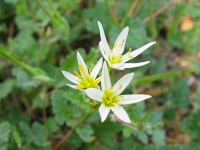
point(54, 9)
point(46, 11)
point(160, 76)
point(145, 117)
point(152, 23)
point(23, 65)
point(114, 19)
point(127, 11)
point(72, 130)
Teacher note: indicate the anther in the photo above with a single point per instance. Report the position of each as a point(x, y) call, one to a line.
point(121, 96)
point(122, 43)
point(90, 70)
point(80, 87)
point(120, 87)
point(119, 105)
point(130, 49)
point(131, 57)
point(77, 74)
point(111, 50)
point(120, 55)
point(97, 80)
point(81, 69)
point(114, 45)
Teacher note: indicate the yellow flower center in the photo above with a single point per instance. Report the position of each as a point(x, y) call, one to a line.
point(115, 59)
point(87, 81)
point(110, 98)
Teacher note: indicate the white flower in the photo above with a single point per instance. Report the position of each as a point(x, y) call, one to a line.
point(87, 79)
point(111, 98)
point(114, 56)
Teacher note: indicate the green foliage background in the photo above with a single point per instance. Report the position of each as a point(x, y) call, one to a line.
point(39, 39)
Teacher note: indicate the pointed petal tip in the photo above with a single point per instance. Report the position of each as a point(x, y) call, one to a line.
point(78, 53)
point(126, 28)
point(153, 42)
point(149, 96)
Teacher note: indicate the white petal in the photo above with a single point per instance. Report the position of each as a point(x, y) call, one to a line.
point(135, 53)
point(81, 62)
point(140, 50)
point(119, 66)
point(103, 52)
point(122, 36)
point(122, 83)
point(105, 78)
point(121, 113)
point(104, 111)
point(96, 68)
point(94, 94)
point(71, 77)
point(73, 86)
point(133, 65)
point(103, 38)
point(134, 98)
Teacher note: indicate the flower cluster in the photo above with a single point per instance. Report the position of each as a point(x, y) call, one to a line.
point(110, 97)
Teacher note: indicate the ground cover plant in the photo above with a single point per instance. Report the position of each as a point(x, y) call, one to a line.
point(42, 43)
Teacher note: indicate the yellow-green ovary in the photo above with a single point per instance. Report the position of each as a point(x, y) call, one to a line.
point(115, 59)
point(109, 98)
point(88, 82)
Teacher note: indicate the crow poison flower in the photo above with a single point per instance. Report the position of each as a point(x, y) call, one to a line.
point(111, 97)
point(86, 78)
point(114, 55)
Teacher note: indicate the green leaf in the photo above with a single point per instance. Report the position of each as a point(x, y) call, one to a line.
point(11, 1)
point(85, 132)
point(38, 102)
point(6, 88)
point(51, 125)
point(127, 132)
point(80, 99)
point(155, 117)
point(5, 129)
point(17, 138)
point(192, 124)
point(36, 135)
point(180, 95)
point(141, 135)
point(23, 79)
point(106, 138)
point(159, 136)
point(64, 111)
point(159, 66)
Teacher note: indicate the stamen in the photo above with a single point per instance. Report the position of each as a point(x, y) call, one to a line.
point(97, 80)
point(90, 70)
point(77, 74)
point(111, 88)
point(122, 43)
point(121, 96)
point(80, 87)
point(111, 50)
point(81, 69)
point(120, 55)
point(119, 105)
point(130, 49)
point(120, 87)
point(131, 57)
point(85, 82)
point(114, 45)
point(104, 92)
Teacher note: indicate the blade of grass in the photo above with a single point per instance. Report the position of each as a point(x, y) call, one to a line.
point(160, 76)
